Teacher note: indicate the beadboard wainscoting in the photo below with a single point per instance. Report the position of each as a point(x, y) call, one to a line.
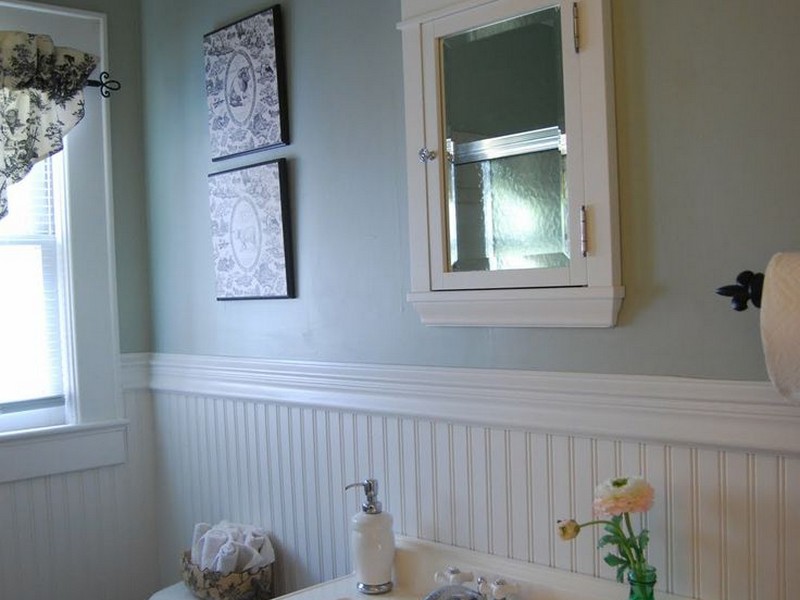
point(87, 534)
point(481, 459)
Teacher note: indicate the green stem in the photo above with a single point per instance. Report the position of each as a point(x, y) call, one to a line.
point(640, 562)
point(623, 548)
point(599, 522)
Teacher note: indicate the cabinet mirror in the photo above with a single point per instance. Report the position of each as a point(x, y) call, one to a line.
point(505, 140)
point(511, 162)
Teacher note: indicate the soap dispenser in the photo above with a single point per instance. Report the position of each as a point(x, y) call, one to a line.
point(372, 542)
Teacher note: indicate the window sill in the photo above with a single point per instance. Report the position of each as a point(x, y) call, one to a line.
point(62, 449)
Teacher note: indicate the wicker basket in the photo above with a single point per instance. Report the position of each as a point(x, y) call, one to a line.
point(249, 585)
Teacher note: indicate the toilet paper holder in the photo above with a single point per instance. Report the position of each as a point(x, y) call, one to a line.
point(778, 297)
point(748, 287)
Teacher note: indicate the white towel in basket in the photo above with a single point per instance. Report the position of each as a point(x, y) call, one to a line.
point(230, 547)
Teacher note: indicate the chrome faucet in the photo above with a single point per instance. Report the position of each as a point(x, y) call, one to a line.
point(454, 579)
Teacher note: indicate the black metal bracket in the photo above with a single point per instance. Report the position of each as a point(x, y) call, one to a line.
point(748, 287)
point(105, 84)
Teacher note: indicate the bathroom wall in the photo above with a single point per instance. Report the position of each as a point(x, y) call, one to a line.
point(85, 534)
point(482, 459)
point(706, 130)
point(706, 125)
point(707, 188)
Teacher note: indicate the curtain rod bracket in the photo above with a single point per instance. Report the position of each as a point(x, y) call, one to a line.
point(105, 84)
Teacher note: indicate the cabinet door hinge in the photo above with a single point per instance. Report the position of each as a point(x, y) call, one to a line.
point(576, 35)
point(584, 235)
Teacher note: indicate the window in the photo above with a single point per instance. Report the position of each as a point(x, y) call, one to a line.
point(32, 261)
point(59, 350)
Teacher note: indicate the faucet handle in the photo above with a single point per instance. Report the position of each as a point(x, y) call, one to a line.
point(501, 589)
point(453, 576)
point(484, 587)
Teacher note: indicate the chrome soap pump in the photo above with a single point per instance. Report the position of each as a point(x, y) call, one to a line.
point(372, 542)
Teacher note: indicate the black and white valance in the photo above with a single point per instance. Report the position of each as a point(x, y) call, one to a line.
point(41, 99)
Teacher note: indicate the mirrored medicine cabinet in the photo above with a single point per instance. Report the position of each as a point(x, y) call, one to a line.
point(511, 162)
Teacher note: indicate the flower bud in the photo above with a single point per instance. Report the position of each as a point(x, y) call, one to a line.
point(568, 529)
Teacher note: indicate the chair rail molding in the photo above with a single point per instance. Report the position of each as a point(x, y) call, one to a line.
point(135, 371)
point(673, 410)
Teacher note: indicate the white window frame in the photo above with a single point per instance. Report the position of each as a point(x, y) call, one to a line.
point(94, 432)
point(43, 406)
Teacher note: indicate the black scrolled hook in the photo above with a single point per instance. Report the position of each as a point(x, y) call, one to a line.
point(748, 287)
point(105, 84)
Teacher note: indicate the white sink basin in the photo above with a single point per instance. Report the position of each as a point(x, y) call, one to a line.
point(417, 561)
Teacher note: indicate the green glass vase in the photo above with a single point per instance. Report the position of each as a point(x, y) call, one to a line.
point(642, 584)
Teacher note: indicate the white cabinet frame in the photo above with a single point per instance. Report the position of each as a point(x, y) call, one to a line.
point(595, 304)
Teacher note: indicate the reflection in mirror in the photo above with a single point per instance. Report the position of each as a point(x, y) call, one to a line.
point(505, 135)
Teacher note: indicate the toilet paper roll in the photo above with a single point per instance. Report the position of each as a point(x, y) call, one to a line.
point(780, 323)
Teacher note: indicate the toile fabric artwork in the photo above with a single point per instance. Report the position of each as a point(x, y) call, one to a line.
point(245, 85)
point(251, 232)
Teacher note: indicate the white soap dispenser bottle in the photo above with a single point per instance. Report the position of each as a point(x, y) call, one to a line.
point(372, 543)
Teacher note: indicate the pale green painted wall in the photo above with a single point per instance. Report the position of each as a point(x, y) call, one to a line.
point(707, 120)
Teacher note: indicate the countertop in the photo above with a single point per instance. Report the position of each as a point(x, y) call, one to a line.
point(416, 562)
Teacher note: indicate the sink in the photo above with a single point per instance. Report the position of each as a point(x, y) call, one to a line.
point(417, 561)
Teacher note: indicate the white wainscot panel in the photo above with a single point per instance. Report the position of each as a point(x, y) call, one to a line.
point(88, 533)
point(267, 442)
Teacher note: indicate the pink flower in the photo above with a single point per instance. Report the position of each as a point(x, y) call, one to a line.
point(624, 495)
point(616, 499)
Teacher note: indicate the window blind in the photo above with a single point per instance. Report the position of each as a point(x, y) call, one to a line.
point(31, 341)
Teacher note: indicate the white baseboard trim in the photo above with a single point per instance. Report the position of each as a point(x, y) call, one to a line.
point(671, 410)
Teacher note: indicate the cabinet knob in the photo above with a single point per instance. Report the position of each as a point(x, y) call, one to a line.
point(426, 155)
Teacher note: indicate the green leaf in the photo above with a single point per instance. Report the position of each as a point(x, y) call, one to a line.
point(612, 560)
point(607, 539)
point(644, 539)
point(614, 526)
point(610, 528)
point(621, 573)
point(611, 540)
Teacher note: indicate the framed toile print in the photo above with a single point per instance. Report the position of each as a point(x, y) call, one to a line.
point(245, 85)
point(251, 232)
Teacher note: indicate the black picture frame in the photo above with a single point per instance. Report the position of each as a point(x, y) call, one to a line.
point(246, 85)
point(251, 232)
